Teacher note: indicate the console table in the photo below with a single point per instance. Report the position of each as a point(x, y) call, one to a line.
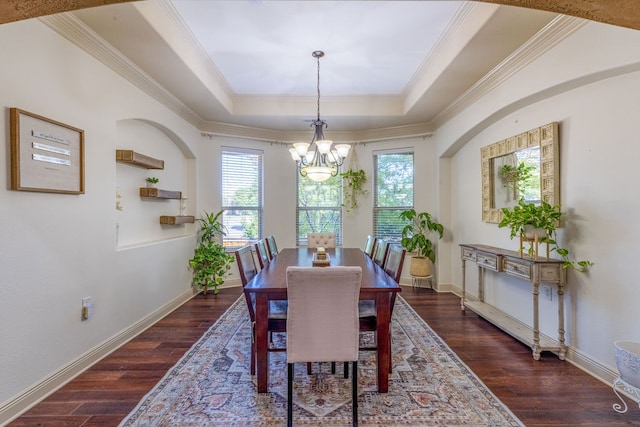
point(535, 271)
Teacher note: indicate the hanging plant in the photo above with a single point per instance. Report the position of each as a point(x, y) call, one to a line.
point(516, 178)
point(354, 181)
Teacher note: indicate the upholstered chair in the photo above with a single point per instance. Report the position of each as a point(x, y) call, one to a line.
point(277, 309)
point(322, 322)
point(271, 246)
point(369, 245)
point(325, 240)
point(263, 253)
point(393, 267)
point(380, 252)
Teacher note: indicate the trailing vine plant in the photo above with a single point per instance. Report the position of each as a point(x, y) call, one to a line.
point(516, 177)
point(353, 181)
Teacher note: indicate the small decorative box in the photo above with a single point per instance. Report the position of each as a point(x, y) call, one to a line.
point(321, 262)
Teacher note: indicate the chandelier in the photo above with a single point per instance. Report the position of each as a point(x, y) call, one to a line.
point(318, 160)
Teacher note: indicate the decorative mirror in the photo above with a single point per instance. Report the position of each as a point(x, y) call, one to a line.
point(522, 166)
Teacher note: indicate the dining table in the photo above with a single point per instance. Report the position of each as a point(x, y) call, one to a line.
point(271, 284)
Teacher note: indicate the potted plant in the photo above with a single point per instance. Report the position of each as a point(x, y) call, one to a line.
point(516, 177)
point(526, 219)
point(210, 262)
point(415, 237)
point(152, 181)
point(354, 181)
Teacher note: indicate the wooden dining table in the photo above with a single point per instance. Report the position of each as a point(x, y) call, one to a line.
point(271, 284)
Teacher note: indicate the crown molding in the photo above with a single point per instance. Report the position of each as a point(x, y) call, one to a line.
point(552, 34)
point(266, 135)
point(78, 33)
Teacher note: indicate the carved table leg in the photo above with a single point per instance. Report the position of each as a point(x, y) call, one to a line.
point(563, 347)
point(463, 284)
point(536, 322)
point(480, 284)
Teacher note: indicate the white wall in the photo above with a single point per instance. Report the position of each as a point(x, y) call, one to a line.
point(280, 186)
point(590, 84)
point(58, 248)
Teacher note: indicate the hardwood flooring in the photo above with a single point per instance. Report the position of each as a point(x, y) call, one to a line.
point(548, 392)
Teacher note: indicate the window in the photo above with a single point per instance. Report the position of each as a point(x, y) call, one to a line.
point(393, 192)
point(241, 195)
point(318, 208)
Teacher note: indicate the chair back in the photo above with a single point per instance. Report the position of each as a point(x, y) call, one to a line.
point(246, 264)
point(325, 240)
point(271, 246)
point(369, 244)
point(322, 315)
point(263, 254)
point(247, 269)
point(395, 260)
point(380, 253)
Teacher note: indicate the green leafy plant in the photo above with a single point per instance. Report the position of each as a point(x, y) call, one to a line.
point(210, 262)
point(545, 217)
point(354, 181)
point(415, 236)
point(152, 180)
point(516, 177)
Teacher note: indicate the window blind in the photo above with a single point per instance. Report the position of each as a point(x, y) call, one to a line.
point(242, 200)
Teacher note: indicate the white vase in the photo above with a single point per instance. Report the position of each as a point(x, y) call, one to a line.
point(530, 232)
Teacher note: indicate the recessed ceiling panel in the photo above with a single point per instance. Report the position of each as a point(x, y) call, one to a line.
point(264, 47)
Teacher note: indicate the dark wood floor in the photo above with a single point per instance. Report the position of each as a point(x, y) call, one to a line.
point(547, 392)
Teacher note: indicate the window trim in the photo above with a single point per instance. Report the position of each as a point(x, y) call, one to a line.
point(260, 207)
point(338, 208)
point(376, 208)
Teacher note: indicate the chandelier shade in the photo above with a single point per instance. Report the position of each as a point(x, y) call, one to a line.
point(318, 160)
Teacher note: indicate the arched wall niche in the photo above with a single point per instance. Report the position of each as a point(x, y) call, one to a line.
point(138, 218)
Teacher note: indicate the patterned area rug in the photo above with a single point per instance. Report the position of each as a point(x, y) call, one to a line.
point(211, 385)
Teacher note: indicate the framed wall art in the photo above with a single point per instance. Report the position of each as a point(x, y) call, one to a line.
point(46, 156)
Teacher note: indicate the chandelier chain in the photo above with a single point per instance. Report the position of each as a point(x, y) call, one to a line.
point(318, 85)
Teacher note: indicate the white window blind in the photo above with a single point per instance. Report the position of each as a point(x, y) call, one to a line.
point(393, 192)
point(241, 195)
point(318, 208)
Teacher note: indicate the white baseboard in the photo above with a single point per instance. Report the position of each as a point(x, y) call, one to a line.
point(22, 402)
point(580, 360)
point(19, 404)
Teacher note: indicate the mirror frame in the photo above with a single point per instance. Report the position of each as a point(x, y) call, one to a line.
point(545, 137)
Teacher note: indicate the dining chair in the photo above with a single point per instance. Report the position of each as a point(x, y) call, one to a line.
point(325, 240)
point(322, 322)
point(277, 309)
point(263, 254)
point(272, 248)
point(395, 261)
point(369, 245)
point(393, 267)
point(380, 252)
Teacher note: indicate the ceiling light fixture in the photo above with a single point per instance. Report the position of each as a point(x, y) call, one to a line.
point(318, 160)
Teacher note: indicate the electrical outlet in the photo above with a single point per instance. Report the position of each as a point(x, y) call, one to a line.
point(87, 308)
point(546, 292)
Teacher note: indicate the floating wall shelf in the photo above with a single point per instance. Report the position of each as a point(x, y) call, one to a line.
point(156, 193)
point(177, 219)
point(137, 159)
